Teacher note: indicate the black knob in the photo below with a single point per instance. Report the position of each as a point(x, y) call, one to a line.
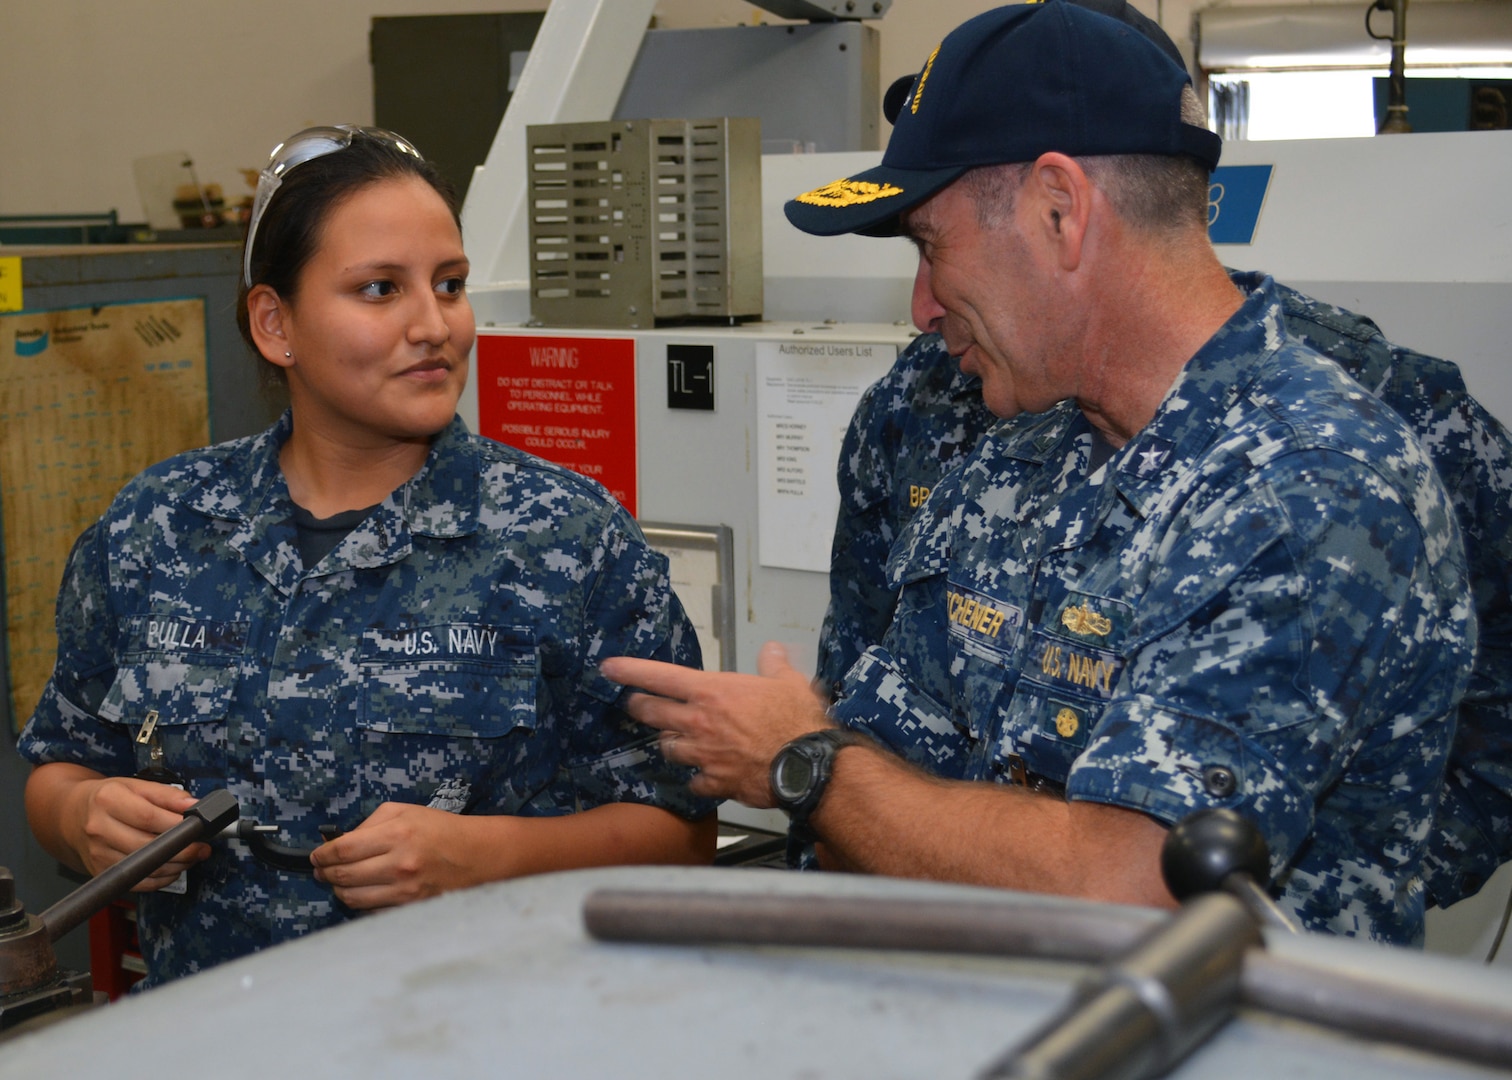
point(1206, 847)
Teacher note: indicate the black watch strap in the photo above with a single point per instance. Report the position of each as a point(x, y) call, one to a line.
point(816, 752)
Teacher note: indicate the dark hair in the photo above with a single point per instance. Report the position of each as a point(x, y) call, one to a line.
point(289, 232)
point(993, 189)
point(1155, 192)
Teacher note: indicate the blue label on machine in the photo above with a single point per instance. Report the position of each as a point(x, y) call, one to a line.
point(1235, 195)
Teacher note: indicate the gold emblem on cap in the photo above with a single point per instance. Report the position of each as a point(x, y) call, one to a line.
point(924, 78)
point(1083, 620)
point(848, 193)
point(1067, 723)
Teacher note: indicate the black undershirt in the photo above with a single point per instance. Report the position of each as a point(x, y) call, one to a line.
point(1102, 450)
point(319, 536)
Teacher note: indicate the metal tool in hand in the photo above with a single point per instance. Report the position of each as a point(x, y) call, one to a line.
point(294, 860)
point(30, 982)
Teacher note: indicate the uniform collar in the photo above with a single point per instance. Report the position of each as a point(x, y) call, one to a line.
point(963, 385)
point(1036, 438)
point(237, 483)
point(441, 500)
point(1211, 383)
point(247, 487)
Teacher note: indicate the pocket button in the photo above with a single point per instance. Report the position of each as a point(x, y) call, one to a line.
point(1219, 781)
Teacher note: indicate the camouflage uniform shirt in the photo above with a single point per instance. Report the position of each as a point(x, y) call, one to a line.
point(444, 653)
point(910, 428)
point(1259, 602)
point(922, 419)
point(1472, 833)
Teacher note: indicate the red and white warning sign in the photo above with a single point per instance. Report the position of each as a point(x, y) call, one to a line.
point(570, 400)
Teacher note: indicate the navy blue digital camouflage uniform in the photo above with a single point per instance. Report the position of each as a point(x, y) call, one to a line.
point(910, 428)
point(444, 653)
point(916, 423)
point(1472, 451)
point(1259, 602)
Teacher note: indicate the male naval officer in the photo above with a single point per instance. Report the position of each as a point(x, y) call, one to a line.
point(911, 427)
point(923, 418)
point(1215, 572)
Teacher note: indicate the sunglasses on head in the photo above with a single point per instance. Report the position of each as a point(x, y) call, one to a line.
point(307, 145)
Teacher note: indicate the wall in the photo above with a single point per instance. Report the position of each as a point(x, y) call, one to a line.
point(86, 86)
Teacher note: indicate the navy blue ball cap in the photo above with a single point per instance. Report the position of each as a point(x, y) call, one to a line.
point(1006, 87)
point(1130, 15)
point(1122, 10)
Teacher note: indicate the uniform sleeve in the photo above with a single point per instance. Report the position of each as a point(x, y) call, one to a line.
point(630, 610)
point(1300, 636)
point(861, 604)
point(64, 726)
point(883, 702)
point(1473, 832)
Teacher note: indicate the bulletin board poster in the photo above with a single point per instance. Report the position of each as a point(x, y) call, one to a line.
point(570, 400)
point(89, 397)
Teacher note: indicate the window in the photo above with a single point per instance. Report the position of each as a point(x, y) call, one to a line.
point(1313, 72)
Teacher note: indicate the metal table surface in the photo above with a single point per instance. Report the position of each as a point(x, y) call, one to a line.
point(502, 980)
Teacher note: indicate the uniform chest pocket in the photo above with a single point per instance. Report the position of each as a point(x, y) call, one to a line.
point(1067, 682)
point(468, 681)
point(181, 674)
point(1062, 677)
point(1045, 730)
point(448, 714)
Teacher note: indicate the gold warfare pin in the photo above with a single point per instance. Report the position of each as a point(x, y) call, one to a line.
point(1083, 620)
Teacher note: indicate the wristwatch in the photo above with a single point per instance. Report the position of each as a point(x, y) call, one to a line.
point(801, 770)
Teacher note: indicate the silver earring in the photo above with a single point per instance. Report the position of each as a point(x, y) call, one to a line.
point(288, 355)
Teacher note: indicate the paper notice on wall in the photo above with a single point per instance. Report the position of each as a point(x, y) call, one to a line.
point(805, 395)
point(89, 397)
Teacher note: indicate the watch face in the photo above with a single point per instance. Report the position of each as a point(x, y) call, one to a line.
point(792, 776)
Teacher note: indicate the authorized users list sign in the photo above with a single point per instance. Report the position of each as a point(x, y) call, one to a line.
point(570, 400)
point(806, 392)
